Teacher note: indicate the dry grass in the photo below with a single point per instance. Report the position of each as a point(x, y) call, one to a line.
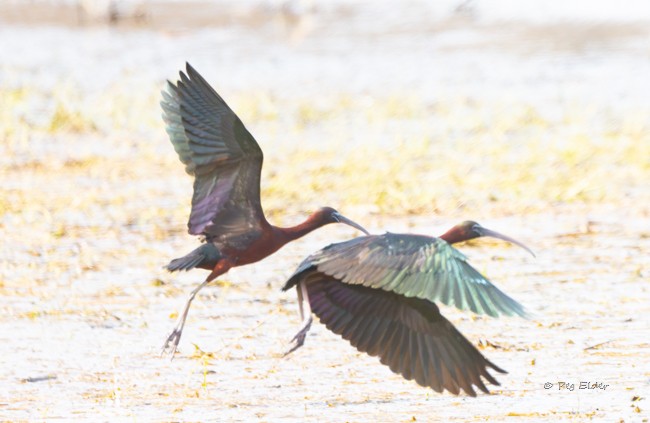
point(391, 155)
point(94, 202)
point(70, 165)
point(404, 118)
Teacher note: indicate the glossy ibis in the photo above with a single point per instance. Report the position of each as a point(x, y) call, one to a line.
point(226, 161)
point(378, 292)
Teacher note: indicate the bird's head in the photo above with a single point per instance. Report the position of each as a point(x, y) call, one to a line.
point(326, 215)
point(470, 230)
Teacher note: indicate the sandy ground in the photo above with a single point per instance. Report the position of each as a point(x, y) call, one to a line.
point(90, 214)
point(87, 346)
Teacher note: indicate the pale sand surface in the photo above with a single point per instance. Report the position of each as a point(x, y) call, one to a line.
point(91, 211)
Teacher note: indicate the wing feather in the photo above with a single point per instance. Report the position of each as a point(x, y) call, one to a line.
point(414, 266)
point(409, 335)
point(224, 158)
point(437, 383)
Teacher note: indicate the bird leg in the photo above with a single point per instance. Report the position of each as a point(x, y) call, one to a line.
point(305, 315)
point(175, 336)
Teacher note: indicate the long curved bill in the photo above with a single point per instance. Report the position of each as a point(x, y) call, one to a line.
point(494, 234)
point(342, 219)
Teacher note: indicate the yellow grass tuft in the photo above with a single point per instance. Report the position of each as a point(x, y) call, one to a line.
point(392, 155)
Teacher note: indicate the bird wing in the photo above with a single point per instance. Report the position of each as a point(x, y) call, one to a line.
point(414, 266)
point(408, 334)
point(224, 158)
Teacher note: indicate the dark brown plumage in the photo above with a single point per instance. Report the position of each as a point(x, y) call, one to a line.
point(378, 292)
point(226, 161)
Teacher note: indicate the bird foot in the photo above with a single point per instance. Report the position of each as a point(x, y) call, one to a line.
point(175, 337)
point(299, 338)
point(171, 344)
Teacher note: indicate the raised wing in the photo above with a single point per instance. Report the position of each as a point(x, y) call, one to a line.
point(408, 334)
point(413, 266)
point(220, 153)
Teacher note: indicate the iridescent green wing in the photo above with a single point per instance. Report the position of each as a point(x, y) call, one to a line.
point(413, 266)
point(409, 335)
point(219, 152)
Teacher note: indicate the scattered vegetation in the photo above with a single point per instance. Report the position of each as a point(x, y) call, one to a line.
point(393, 155)
point(94, 184)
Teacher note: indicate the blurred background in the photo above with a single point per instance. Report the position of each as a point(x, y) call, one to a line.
point(473, 104)
point(530, 117)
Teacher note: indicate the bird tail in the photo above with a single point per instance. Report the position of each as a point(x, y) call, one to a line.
point(187, 262)
point(207, 254)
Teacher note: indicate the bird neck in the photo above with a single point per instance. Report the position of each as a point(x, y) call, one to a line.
point(456, 234)
point(294, 232)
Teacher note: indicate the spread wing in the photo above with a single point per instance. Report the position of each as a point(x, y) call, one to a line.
point(414, 266)
point(220, 153)
point(409, 335)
